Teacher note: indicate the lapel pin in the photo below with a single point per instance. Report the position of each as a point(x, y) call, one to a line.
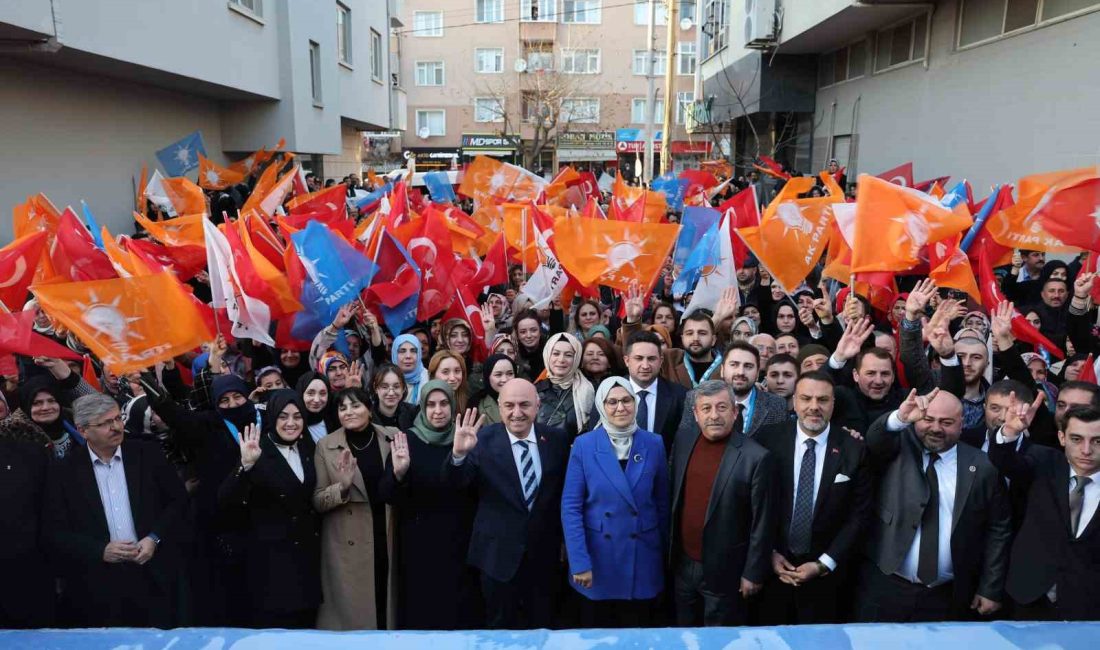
point(973, 469)
point(542, 438)
point(836, 451)
point(637, 458)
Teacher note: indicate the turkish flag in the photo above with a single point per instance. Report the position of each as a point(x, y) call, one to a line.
point(1021, 329)
point(18, 262)
point(900, 175)
point(465, 308)
point(494, 268)
point(17, 336)
point(743, 212)
point(75, 255)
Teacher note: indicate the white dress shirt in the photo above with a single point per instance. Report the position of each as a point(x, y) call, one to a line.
point(110, 478)
point(650, 401)
point(822, 440)
point(294, 459)
point(1090, 500)
point(517, 453)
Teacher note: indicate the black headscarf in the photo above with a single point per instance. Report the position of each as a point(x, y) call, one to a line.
point(241, 416)
point(276, 402)
point(43, 384)
point(486, 372)
point(327, 413)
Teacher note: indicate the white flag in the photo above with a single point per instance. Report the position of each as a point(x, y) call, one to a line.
point(715, 279)
point(549, 278)
point(250, 317)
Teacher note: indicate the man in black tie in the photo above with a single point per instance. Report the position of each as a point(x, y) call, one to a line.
point(1054, 569)
point(518, 467)
point(939, 545)
point(824, 490)
point(660, 402)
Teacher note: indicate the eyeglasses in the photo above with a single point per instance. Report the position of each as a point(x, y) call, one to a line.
point(106, 423)
point(612, 404)
point(389, 389)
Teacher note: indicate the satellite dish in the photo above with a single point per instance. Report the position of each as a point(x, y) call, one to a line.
point(686, 24)
point(423, 132)
point(520, 65)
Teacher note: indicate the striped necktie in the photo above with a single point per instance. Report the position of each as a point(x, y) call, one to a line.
point(527, 473)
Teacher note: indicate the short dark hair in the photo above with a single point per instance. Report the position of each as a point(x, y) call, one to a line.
point(642, 336)
point(700, 316)
point(777, 359)
point(1024, 393)
point(1087, 414)
point(877, 353)
point(816, 375)
point(1088, 387)
point(354, 393)
point(743, 346)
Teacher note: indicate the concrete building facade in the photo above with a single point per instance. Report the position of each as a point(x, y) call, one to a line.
point(481, 74)
point(987, 90)
point(90, 90)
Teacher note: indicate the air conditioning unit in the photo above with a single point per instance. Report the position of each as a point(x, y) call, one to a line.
point(760, 24)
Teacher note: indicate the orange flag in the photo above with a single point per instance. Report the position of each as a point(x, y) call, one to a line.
point(178, 231)
point(18, 262)
point(128, 323)
point(280, 297)
point(894, 223)
point(1058, 212)
point(186, 197)
point(793, 233)
point(121, 259)
point(624, 198)
point(613, 253)
point(950, 267)
point(270, 190)
point(215, 177)
point(561, 182)
point(486, 178)
point(37, 213)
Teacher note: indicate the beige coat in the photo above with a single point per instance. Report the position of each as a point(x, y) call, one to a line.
point(347, 544)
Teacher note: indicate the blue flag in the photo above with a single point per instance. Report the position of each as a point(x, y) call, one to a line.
point(182, 156)
point(694, 224)
point(93, 225)
point(705, 254)
point(337, 271)
point(674, 189)
point(439, 187)
point(400, 318)
point(365, 204)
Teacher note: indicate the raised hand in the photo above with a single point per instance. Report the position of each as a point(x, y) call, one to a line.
point(399, 452)
point(939, 337)
point(823, 307)
point(806, 316)
point(346, 466)
point(218, 348)
point(851, 307)
point(370, 320)
point(635, 303)
point(727, 305)
point(250, 446)
point(915, 406)
point(343, 316)
point(355, 374)
point(466, 427)
point(1020, 416)
point(1000, 324)
point(1082, 285)
point(919, 298)
point(852, 340)
point(488, 321)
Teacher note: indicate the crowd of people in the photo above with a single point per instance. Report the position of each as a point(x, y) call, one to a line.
point(615, 462)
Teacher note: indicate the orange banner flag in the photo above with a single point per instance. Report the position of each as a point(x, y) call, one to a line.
point(128, 323)
point(950, 267)
point(613, 253)
point(894, 223)
point(215, 177)
point(1057, 212)
point(36, 214)
point(486, 178)
point(178, 231)
point(186, 197)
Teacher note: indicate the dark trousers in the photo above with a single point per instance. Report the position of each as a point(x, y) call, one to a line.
point(698, 605)
point(811, 602)
point(123, 595)
point(892, 599)
point(617, 613)
point(525, 602)
point(27, 592)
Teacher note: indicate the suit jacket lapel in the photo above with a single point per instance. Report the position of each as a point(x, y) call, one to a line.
point(725, 470)
point(966, 471)
point(785, 457)
point(660, 406)
point(1059, 485)
point(131, 463)
point(502, 453)
point(87, 486)
point(609, 464)
point(682, 448)
point(829, 469)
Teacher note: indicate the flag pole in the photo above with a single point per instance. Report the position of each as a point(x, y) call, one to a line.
point(523, 245)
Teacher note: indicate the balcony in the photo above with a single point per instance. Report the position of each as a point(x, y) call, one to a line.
point(538, 32)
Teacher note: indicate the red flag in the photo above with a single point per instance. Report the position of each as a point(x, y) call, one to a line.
point(75, 254)
point(18, 336)
point(1088, 371)
point(399, 206)
point(88, 373)
point(184, 261)
point(259, 277)
point(770, 167)
point(900, 175)
point(465, 307)
point(18, 262)
point(1057, 212)
point(998, 255)
point(926, 186)
point(744, 212)
point(951, 268)
point(429, 245)
point(494, 268)
point(395, 280)
point(1021, 329)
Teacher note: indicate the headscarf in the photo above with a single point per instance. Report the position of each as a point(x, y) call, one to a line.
point(592, 331)
point(303, 383)
point(240, 416)
point(417, 375)
point(661, 331)
point(44, 384)
point(422, 428)
point(621, 439)
point(275, 405)
point(329, 358)
point(583, 393)
point(498, 339)
point(487, 372)
point(753, 329)
point(448, 327)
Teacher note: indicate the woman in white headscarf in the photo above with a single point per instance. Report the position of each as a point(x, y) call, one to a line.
point(615, 513)
point(566, 396)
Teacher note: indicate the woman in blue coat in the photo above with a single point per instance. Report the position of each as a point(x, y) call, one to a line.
point(615, 513)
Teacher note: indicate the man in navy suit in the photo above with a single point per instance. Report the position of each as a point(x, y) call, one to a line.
point(660, 402)
point(518, 468)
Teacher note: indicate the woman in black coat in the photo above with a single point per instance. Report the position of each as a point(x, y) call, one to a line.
point(272, 492)
point(436, 589)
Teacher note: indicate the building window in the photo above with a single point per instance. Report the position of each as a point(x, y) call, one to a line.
point(580, 111)
point(638, 110)
point(489, 60)
point(581, 11)
point(901, 44)
point(434, 121)
point(343, 33)
point(543, 11)
point(254, 7)
point(641, 12)
point(685, 58)
point(428, 23)
point(429, 73)
point(660, 62)
point(315, 71)
point(715, 26)
point(489, 11)
point(684, 103)
point(586, 61)
point(983, 20)
point(841, 65)
point(538, 59)
point(688, 9)
point(487, 109)
point(375, 55)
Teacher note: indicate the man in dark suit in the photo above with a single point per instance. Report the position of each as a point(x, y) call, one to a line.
point(939, 545)
point(741, 370)
point(823, 492)
point(114, 515)
point(723, 527)
point(518, 468)
point(1054, 568)
point(660, 402)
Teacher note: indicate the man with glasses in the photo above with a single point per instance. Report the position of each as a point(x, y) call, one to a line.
point(114, 518)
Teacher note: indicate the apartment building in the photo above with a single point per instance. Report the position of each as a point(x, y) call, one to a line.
point(987, 90)
point(544, 82)
point(90, 90)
